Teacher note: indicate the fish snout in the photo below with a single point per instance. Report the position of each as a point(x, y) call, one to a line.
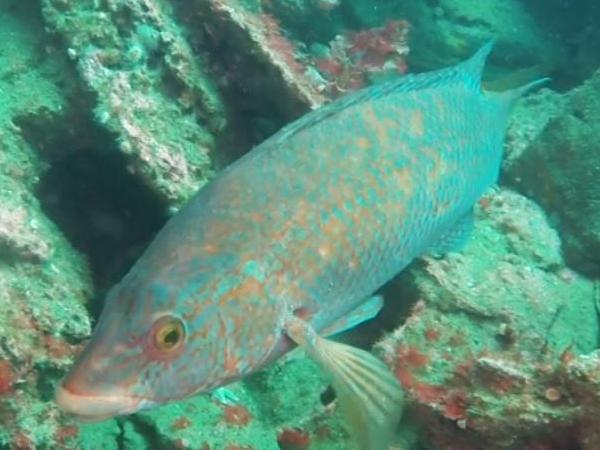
point(91, 406)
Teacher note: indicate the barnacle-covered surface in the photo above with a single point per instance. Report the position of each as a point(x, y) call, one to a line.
point(112, 114)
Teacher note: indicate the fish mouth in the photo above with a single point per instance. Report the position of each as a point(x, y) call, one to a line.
point(95, 408)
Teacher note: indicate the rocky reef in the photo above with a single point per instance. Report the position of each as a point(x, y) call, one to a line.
point(560, 170)
point(114, 112)
point(489, 350)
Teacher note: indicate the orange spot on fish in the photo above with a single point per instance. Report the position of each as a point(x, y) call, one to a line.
point(437, 165)
point(353, 263)
point(440, 207)
point(382, 130)
point(257, 217)
point(416, 122)
point(230, 362)
point(325, 251)
point(210, 249)
point(403, 180)
point(379, 126)
point(432, 334)
point(249, 287)
point(333, 227)
point(363, 143)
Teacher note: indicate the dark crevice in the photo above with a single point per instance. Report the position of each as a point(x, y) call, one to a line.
point(400, 295)
point(258, 102)
point(121, 441)
point(151, 435)
point(106, 213)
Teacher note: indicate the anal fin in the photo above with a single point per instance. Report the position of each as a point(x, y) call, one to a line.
point(369, 395)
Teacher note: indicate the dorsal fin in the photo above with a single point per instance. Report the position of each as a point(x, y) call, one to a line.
point(468, 72)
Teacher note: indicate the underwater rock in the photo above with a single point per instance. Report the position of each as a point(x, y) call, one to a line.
point(356, 59)
point(134, 58)
point(44, 282)
point(19, 238)
point(577, 26)
point(42, 318)
point(300, 17)
point(258, 35)
point(561, 169)
point(445, 31)
point(485, 354)
point(497, 353)
point(529, 117)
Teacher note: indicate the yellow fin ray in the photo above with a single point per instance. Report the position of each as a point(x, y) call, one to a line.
point(369, 395)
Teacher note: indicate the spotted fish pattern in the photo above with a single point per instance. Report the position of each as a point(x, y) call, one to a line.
point(288, 242)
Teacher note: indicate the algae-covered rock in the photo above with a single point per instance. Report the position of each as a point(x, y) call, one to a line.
point(498, 351)
point(133, 56)
point(44, 282)
point(254, 33)
point(561, 169)
point(529, 118)
point(483, 355)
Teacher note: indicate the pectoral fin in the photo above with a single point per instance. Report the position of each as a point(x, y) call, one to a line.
point(366, 311)
point(369, 395)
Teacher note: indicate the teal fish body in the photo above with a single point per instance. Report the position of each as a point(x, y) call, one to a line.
point(307, 225)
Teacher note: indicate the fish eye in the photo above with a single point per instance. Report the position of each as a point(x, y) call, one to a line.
point(167, 334)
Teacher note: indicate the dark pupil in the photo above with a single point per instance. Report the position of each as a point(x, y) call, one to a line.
point(172, 337)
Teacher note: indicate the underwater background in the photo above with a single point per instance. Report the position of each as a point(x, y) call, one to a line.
point(114, 112)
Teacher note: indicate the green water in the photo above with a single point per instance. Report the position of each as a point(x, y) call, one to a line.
point(113, 113)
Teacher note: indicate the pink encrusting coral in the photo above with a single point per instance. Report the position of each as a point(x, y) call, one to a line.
point(276, 40)
point(350, 59)
point(354, 56)
point(7, 377)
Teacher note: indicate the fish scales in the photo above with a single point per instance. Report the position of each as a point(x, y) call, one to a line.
point(294, 237)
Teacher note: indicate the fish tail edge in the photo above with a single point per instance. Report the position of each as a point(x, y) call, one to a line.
point(529, 87)
point(512, 95)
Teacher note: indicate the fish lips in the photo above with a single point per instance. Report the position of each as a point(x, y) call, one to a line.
point(88, 407)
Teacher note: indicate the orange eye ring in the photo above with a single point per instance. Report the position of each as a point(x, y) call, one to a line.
point(166, 337)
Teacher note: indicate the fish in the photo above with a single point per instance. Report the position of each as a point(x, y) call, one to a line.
point(285, 248)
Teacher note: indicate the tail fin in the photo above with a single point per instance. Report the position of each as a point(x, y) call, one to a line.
point(512, 95)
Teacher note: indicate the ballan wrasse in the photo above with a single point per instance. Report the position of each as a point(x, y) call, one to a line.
point(286, 245)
